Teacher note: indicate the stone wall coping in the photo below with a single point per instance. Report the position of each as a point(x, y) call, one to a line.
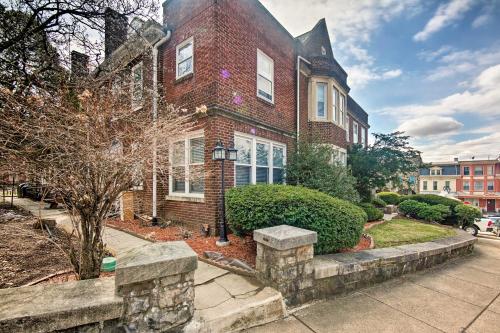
point(285, 237)
point(154, 261)
point(46, 308)
point(345, 263)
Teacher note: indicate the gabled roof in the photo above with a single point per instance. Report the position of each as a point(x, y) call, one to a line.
point(316, 45)
point(356, 110)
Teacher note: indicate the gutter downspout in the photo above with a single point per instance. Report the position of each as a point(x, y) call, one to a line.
point(155, 47)
point(299, 58)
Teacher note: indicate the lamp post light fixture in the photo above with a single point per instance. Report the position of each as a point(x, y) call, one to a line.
point(219, 153)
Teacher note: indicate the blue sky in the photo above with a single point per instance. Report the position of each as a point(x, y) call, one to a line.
point(430, 68)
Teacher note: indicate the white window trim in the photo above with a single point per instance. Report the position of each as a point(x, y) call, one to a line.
point(343, 111)
point(177, 48)
point(325, 85)
point(186, 194)
point(355, 133)
point(347, 124)
point(253, 165)
point(363, 136)
point(259, 52)
point(139, 104)
point(340, 150)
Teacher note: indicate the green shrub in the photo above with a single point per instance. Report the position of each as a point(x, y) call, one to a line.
point(377, 202)
point(339, 224)
point(433, 199)
point(434, 213)
point(373, 213)
point(390, 198)
point(466, 214)
point(411, 208)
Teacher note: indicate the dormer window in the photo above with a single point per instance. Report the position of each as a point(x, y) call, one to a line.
point(265, 77)
point(323, 50)
point(435, 172)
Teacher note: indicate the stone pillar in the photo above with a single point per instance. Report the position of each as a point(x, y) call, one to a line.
point(157, 285)
point(285, 261)
point(127, 206)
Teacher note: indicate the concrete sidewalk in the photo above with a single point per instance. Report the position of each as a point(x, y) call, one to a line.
point(224, 301)
point(460, 296)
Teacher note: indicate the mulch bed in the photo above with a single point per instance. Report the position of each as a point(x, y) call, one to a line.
point(26, 254)
point(244, 249)
point(364, 244)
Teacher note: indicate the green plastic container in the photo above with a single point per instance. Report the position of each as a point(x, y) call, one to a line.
point(108, 264)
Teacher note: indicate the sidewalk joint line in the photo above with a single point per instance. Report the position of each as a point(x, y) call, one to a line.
point(481, 312)
point(303, 323)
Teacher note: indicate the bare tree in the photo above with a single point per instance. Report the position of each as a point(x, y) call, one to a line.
point(89, 144)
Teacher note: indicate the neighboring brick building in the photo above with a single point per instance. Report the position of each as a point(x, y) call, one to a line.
point(263, 88)
point(475, 181)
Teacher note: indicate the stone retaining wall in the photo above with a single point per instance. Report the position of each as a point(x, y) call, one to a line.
point(277, 263)
point(153, 291)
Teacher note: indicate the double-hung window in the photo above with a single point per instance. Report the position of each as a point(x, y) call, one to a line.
point(347, 128)
point(187, 166)
point(466, 171)
point(363, 136)
point(478, 185)
point(137, 86)
point(335, 104)
point(321, 100)
point(466, 185)
point(184, 58)
point(424, 183)
point(434, 185)
point(491, 186)
point(478, 170)
point(259, 161)
point(355, 132)
point(265, 77)
point(342, 109)
point(490, 169)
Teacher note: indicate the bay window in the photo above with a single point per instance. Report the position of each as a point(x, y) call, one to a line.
point(347, 128)
point(355, 138)
point(259, 161)
point(335, 106)
point(363, 136)
point(321, 100)
point(265, 77)
point(187, 174)
point(342, 109)
point(184, 58)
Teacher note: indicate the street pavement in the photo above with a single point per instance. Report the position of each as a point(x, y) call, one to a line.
point(459, 296)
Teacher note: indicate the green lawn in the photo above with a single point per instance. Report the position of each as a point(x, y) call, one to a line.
point(407, 231)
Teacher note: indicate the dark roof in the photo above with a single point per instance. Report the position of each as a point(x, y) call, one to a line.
point(356, 110)
point(446, 170)
point(311, 43)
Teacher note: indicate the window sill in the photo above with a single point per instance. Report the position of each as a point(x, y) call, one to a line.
point(185, 198)
point(183, 78)
point(265, 101)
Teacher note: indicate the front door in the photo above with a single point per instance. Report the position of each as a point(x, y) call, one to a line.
point(490, 205)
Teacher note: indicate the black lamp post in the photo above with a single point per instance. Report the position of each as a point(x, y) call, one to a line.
point(219, 153)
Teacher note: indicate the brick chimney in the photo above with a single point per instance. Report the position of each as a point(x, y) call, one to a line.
point(115, 31)
point(79, 65)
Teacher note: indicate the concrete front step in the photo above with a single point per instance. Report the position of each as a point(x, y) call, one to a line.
point(226, 302)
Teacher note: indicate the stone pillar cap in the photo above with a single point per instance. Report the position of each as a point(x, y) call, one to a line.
point(154, 261)
point(285, 237)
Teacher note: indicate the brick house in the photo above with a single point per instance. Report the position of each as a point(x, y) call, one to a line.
point(474, 181)
point(263, 88)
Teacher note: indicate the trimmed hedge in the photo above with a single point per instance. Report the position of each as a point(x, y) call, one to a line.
point(390, 198)
point(373, 213)
point(466, 214)
point(433, 199)
point(377, 202)
point(339, 223)
point(422, 210)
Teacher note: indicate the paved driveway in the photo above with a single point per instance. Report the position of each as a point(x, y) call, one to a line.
point(462, 295)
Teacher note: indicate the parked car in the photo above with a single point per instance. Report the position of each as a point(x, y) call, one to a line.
point(485, 224)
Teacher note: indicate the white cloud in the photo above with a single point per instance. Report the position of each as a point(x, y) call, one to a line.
point(485, 146)
point(433, 55)
point(482, 98)
point(444, 16)
point(481, 20)
point(430, 126)
point(361, 75)
point(351, 25)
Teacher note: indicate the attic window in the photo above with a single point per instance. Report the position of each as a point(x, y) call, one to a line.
point(323, 50)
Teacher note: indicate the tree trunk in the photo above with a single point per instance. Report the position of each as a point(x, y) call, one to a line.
point(91, 248)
